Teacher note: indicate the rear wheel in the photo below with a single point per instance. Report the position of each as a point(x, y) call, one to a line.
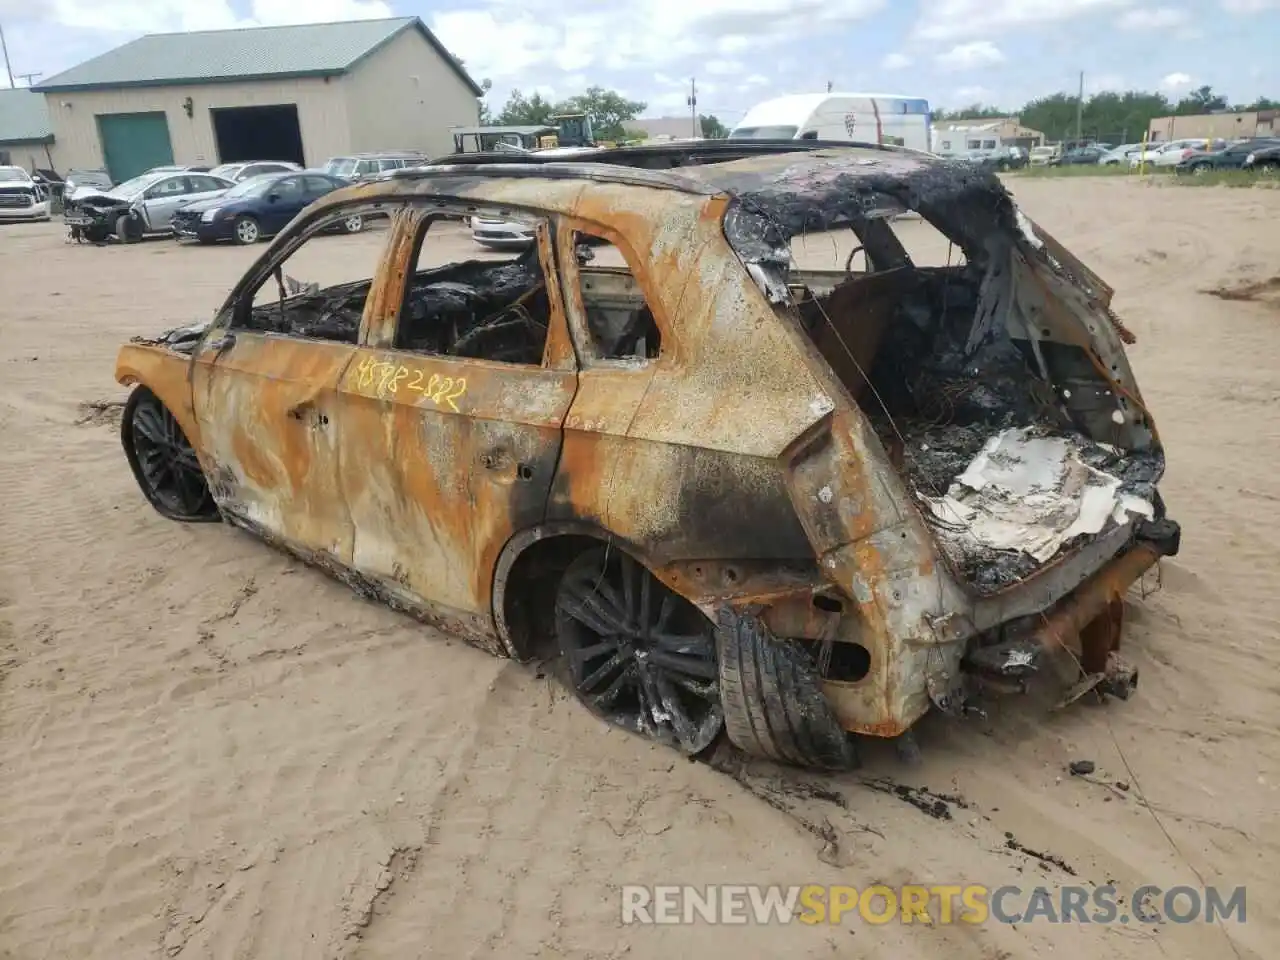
point(163, 461)
point(774, 706)
point(246, 230)
point(638, 654)
point(1200, 169)
point(353, 224)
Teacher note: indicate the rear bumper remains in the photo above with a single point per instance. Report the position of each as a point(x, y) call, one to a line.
point(1086, 623)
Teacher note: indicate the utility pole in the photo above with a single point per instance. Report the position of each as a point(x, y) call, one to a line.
point(29, 77)
point(5, 47)
point(693, 107)
point(1080, 109)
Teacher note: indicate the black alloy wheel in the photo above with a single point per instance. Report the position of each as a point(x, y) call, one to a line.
point(163, 460)
point(638, 654)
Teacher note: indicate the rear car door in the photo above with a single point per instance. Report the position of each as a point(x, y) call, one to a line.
point(452, 415)
point(264, 391)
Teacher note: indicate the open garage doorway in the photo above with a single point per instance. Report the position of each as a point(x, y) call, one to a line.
point(258, 133)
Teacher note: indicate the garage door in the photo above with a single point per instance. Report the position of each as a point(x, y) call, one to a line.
point(134, 142)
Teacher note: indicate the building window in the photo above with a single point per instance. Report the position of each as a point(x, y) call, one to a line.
point(946, 144)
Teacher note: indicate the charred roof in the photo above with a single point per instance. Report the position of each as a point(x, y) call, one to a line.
point(800, 185)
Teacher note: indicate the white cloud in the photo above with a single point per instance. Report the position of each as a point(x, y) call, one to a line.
point(967, 56)
point(723, 67)
point(1153, 18)
point(756, 80)
point(957, 19)
point(1176, 81)
point(896, 61)
point(1249, 6)
point(964, 96)
point(161, 16)
point(505, 38)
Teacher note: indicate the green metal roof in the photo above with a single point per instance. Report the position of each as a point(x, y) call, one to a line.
point(24, 118)
point(252, 53)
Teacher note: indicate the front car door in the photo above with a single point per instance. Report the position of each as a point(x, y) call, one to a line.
point(163, 198)
point(285, 200)
point(264, 391)
point(452, 416)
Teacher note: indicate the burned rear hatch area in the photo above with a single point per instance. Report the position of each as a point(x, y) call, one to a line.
point(995, 380)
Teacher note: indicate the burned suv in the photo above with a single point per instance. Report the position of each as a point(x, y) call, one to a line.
point(739, 496)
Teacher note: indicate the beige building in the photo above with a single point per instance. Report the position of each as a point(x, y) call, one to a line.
point(1225, 126)
point(953, 139)
point(299, 93)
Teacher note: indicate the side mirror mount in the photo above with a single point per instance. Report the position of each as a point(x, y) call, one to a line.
point(272, 197)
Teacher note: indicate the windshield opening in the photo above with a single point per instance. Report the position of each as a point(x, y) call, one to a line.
point(764, 133)
point(340, 168)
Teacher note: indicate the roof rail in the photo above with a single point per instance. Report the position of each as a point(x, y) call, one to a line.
point(659, 156)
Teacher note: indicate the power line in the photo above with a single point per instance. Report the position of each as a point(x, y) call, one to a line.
point(5, 48)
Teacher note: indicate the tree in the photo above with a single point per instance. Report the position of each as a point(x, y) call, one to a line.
point(522, 111)
point(1200, 100)
point(609, 111)
point(712, 128)
point(486, 113)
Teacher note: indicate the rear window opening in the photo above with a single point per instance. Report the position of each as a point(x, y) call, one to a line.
point(969, 388)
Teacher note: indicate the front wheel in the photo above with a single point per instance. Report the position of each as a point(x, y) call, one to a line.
point(638, 654)
point(163, 460)
point(353, 224)
point(246, 230)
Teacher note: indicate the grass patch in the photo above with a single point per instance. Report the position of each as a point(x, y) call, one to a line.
point(1076, 170)
point(1228, 178)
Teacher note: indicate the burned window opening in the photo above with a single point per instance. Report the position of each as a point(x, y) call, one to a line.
point(619, 320)
point(318, 291)
point(488, 309)
point(960, 376)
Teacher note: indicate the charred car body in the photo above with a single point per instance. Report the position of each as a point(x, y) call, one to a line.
point(741, 496)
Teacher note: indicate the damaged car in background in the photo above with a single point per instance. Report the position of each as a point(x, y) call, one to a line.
point(137, 208)
point(740, 498)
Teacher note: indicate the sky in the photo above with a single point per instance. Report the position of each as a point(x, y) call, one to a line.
point(954, 52)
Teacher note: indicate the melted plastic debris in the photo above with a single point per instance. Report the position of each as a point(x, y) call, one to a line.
point(1032, 494)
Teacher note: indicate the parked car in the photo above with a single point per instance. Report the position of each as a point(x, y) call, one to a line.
point(257, 208)
point(252, 168)
point(366, 166)
point(78, 182)
point(1001, 158)
point(22, 197)
point(1169, 154)
point(500, 234)
point(1168, 159)
point(1263, 160)
point(143, 206)
point(1231, 157)
point(1119, 155)
point(1043, 156)
point(1079, 156)
point(543, 450)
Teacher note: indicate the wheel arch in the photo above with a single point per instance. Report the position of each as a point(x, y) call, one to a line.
point(165, 374)
point(537, 556)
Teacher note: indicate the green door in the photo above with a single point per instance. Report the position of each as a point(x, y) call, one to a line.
point(134, 142)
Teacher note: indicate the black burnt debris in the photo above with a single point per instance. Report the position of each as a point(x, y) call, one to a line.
point(927, 351)
point(491, 309)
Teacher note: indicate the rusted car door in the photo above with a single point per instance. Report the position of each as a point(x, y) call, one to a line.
point(267, 407)
point(445, 456)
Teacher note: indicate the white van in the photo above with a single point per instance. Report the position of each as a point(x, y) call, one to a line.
point(866, 117)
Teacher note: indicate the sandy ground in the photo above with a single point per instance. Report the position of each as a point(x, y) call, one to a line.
point(208, 750)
